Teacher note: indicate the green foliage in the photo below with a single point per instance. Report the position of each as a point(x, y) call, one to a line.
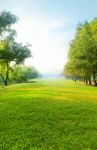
point(23, 74)
point(48, 115)
point(82, 56)
point(10, 50)
point(6, 20)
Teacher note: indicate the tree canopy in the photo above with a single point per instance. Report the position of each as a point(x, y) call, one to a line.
point(10, 50)
point(82, 55)
point(23, 74)
point(6, 20)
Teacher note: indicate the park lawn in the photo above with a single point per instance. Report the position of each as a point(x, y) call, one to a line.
point(52, 114)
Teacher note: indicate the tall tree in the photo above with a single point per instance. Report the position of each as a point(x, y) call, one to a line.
point(82, 54)
point(10, 50)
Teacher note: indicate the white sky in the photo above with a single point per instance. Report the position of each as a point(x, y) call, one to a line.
point(48, 49)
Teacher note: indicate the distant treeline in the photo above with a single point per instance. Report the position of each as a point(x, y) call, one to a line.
point(21, 74)
point(82, 55)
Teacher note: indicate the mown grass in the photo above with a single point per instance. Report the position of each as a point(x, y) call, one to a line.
point(48, 115)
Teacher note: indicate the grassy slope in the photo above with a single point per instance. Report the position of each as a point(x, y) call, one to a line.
point(48, 115)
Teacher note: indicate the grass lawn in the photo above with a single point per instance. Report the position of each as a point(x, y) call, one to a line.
point(48, 115)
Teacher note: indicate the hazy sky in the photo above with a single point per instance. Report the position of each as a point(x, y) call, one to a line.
point(49, 25)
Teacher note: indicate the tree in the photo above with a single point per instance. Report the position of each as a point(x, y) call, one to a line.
point(10, 50)
point(82, 54)
point(23, 74)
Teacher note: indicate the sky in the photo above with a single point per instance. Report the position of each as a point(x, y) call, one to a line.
point(49, 26)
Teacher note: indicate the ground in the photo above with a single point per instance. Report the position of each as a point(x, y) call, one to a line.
point(48, 115)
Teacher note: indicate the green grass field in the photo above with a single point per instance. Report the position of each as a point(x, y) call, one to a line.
point(48, 115)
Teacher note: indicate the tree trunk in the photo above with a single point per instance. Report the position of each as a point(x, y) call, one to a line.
point(94, 77)
point(89, 81)
point(7, 74)
point(86, 80)
point(5, 80)
point(2, 78)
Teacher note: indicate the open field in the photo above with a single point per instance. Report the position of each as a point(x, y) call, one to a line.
point(48, 115)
